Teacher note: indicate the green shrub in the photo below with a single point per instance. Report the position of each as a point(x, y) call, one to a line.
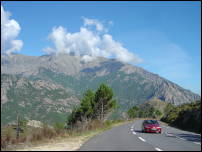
point(107, 123)
point(59, 127)
point(186, 116)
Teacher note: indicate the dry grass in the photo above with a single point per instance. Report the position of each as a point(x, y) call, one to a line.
point(49, 139)
point(8, 136)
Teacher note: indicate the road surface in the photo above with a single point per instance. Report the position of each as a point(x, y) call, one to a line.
point(129, 137)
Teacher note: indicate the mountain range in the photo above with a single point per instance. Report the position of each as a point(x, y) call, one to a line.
point(48, 87)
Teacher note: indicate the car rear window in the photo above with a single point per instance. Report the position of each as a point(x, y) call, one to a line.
point(152, 122)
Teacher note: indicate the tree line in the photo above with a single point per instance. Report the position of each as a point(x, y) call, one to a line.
point(144, 112)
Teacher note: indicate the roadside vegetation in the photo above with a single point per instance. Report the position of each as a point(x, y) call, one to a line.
point(151, 109)
point(186, 116)
point(88, 118)
point(32, 136)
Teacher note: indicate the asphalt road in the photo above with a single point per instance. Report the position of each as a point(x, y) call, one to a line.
point(129, 137)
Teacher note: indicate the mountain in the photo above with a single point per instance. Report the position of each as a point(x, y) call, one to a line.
point(131, 84)
point(38, 100)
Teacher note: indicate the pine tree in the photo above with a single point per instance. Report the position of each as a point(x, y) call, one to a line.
point(87, 104)
point(104, 101)
point(93, 106)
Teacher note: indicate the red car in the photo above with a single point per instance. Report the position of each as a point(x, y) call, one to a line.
point(151, 126)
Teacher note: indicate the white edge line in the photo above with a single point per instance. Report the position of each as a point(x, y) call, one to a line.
point(169, 134)
point(175, 136)
point(158, 149)
point(142, 139)
point(182, 138)
point(197, 143)
point(134, 132)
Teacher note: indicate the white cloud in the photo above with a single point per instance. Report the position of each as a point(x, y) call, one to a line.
point(89, 43)
point(9, 31)
point(89, 22)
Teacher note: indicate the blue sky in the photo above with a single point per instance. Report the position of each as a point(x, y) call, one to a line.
point(164, 35)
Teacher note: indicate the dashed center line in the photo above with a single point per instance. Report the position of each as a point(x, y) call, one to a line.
point(134, 132)
point(158, 149)
point(142, 139)
point(168, 134)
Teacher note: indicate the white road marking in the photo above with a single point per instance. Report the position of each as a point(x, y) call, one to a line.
point(142, 139)
point(175, 136)
point(132, 127)
point(169, 134)
point(197, 143)
point(134, 132)
point(158, 149)
point(182, 138)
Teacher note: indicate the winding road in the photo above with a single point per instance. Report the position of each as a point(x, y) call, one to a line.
point(129, 137)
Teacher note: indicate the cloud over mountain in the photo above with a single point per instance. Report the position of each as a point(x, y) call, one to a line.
point(89, 43)
point(9, 31)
